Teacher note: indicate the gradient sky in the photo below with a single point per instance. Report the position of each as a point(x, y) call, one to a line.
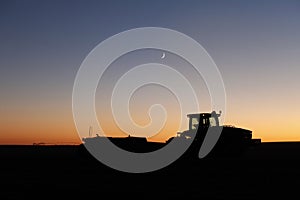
point(255, 44)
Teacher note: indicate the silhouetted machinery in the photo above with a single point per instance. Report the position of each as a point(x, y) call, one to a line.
point(232, 140)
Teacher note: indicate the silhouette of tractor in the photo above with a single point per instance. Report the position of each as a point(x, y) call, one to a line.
point(232, 140)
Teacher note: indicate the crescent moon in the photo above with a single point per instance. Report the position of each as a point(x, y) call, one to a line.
point(163, 55)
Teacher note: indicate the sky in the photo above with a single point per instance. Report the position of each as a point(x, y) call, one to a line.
point(255, 45)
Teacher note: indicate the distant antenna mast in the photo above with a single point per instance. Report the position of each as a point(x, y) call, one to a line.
point(90, 131)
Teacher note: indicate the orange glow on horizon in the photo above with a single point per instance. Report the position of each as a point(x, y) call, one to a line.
point(65, 133)
point(56, 126)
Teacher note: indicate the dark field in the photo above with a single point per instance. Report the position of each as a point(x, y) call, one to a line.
point(266, 171)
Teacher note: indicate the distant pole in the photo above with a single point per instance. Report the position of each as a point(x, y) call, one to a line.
point(90, 131)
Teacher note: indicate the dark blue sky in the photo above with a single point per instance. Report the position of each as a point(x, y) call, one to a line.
point(255, 44)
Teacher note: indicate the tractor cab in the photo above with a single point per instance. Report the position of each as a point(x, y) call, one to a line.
point(199, 124)
point(203, 120)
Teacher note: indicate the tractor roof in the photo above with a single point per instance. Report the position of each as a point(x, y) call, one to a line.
point(198, 114)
